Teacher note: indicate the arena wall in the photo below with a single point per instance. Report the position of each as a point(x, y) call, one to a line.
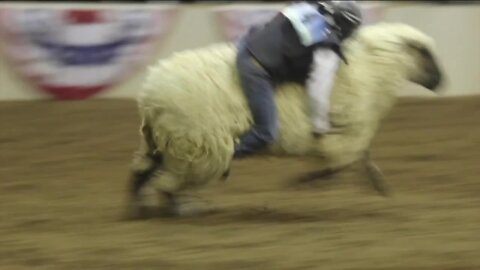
point(454, 27)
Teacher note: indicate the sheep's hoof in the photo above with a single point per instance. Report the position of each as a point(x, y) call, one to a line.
point(189, 207)
point(189, 212)
point(136, 211)
point(225, 175)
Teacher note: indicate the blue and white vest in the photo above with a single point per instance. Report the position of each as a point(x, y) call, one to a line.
point(284, 46)
point(309, 24)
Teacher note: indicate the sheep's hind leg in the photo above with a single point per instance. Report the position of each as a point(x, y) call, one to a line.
point(175, 187)
point(183, 206)
point(146, 162)
point(376, 176)
point(138, 179)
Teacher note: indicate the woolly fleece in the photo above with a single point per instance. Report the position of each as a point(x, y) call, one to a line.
point(196, 109)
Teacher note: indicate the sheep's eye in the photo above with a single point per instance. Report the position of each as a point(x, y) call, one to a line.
point(424, 52)
point(421, 49)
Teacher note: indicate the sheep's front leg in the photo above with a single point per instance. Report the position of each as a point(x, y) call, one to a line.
point(376, 176)
point(317, 175)
point(323, 174)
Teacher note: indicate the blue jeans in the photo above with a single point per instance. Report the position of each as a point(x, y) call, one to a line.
point(259, 90)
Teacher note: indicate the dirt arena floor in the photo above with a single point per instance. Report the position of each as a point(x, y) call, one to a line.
point(63, 172)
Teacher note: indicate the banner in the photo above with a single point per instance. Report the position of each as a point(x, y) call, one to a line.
point(235, 21)
point(77, 53)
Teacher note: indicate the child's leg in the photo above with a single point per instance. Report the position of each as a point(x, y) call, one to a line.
point(259, 91)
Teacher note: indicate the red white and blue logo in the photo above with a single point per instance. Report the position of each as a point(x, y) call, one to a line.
point(77, 53)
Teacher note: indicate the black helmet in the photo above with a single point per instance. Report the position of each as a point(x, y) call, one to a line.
point(346, 15)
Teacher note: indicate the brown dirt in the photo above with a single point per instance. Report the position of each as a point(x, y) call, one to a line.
point(63, 176)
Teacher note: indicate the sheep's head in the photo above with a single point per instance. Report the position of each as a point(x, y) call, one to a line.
point(410, 47)
point(421, 62)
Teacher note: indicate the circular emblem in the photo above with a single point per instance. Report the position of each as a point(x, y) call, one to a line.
point(75, 54)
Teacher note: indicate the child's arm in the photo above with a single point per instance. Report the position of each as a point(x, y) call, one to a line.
point(320, 85)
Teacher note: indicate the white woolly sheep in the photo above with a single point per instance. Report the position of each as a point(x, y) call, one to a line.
point(193, 110)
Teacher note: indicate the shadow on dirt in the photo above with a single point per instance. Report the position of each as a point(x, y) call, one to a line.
point(259, 215)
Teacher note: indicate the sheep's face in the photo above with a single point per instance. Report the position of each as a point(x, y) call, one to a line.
point(422, 67)
point(418, 53)
point(408, 46)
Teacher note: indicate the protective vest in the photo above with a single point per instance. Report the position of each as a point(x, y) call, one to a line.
point(284, 46)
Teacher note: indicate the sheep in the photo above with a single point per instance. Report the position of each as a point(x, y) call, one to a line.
point(193, 111)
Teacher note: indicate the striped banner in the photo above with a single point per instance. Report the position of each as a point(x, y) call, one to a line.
point(77, 53)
